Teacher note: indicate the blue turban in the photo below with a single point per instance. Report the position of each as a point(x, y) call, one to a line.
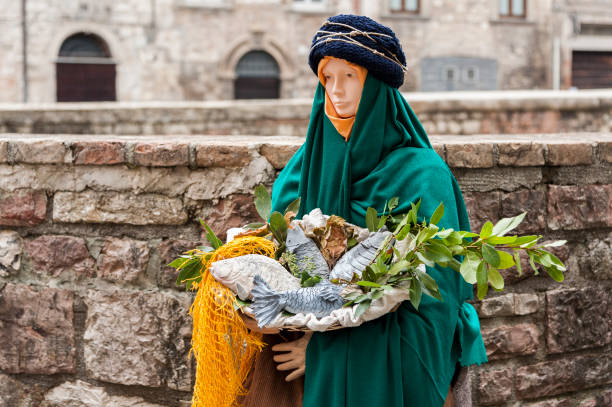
point(363, 41)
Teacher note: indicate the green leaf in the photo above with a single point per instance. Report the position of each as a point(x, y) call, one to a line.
point(532, 264)
point(393, 202)
point(505, 260)
point(263, 202)
point(482, 280)
point(415, 293)
point(555, 243)
point(445, 233)
point(377, 294)
point(178, 263)
point(467, 234)
point(425, 260)
point(555, 261)
point(501, 239)
point(278, 226)
point(399, 267)
point(496, 280)
point(362, 307)
point(352, 242)
point(517, 261)
point(524, 240)
point(369, 274)
point(438, 252)
point(214, 241)
point(255, 225)
point(486, 230)
point(365, 283)
point(190, 271)
point(351, 296)
point(507, 224)
point(469, 266)
point(437, 215)
point(490, 255)
point(429, 284)
point(371, 219)
point(294, 206)
point(555, 273)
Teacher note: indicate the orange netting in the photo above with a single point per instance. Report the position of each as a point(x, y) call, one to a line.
point(223, 346)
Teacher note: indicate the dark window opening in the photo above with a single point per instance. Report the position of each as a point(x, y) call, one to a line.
point(405, 6)
point(85, 71)
point(512, 8)
point(257, 77)
point(591, 69)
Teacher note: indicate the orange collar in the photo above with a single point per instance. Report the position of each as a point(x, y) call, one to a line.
point(343, 125)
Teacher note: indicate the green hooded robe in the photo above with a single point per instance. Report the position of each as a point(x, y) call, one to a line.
point(407, 357)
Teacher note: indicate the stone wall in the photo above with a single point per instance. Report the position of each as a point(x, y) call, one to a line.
point(90, 314)
point(461, 113)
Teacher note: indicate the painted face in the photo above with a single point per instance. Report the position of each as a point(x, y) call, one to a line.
point(343, 87)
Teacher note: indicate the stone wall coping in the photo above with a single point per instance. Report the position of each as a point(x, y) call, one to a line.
point(420, 101)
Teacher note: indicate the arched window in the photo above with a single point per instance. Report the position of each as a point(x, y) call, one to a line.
point(257, 77)
point(85, 71)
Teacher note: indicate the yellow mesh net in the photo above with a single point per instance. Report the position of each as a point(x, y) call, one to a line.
point(223, 346)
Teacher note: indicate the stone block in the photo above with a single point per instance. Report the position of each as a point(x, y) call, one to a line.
point(525, 154)
point(99, 152)
point(56, 254)
point(161, 154)
point(83, 394)
point(579, 207)
point(499, 306)
point(37, 330)
point(138, 338)
point(222, 155)
point(495, 386)
point(578, 319)
point(115, 207)
point(605, 151)
point(234, 211)
point(278, 154)
point(566, 375)
point(41, 152)
point(440, 150)
point(578, 153)
point(525, 304)
point(168, 251)
point(3, 151)
point(13, 393)
point(551, 403)
point(469, 155)
point(482, 206)
point(508, 341)
point(525, 200)
point(498, 178)
point(596, 260)
point(603, 399)
point(122, 259)
point(11, 247)
point(22, 207)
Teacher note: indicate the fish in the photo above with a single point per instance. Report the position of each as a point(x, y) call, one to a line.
point(319, 300)
point(237, 274)
point(309, 258)
point(359, 257)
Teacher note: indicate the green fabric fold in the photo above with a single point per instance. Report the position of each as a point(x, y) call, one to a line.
point(407, 357)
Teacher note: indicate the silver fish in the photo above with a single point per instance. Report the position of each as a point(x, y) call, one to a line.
point(237, 274)
point(359, 257)
point(319, 300)
point(309, 257)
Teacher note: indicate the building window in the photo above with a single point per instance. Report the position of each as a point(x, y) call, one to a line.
point(84, 70)
point(257, 77)
point(309, 5)
point(470, 74)
point(404, 6)
point(512, 8)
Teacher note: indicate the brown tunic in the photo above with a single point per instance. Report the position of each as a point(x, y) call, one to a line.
point(266, 385)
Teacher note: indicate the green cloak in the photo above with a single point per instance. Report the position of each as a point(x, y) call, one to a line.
point(406, 357)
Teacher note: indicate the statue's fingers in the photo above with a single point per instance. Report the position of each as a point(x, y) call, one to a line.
point(284, 347)
point(284, 357)
point(295, 374)
point(290, 365)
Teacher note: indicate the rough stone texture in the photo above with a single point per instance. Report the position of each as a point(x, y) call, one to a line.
point(11, 246)
point(507, 341)
point(551, 403)
point(520, 154)
point(16, 394)
point(83, 394)
point(114, 207)
point(604, 399)
point(525, 200)
point(563, 376)
point(36, 330)
point(168, 251)
point(605, 151)
point(56, 254)
point(138, 338)
point(498, 178)
point(570, 154)
point(469, 155)
point(495, 386)
point(222, 156)
point(41, 152)
point(525, 304)
point(22, 207)
point(578, 319)
point(3, 151)
point(99, 152)
point(481, 207)
point(233, 211)
point(122, 259)
point(278, 155)
point(161, 154)
point(579, 207)
point(508, 305)
point(596, 260)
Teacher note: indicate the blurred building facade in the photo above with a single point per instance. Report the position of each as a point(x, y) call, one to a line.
point(140, 50)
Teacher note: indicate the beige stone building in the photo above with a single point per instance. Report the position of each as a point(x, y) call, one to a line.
point(147, 50)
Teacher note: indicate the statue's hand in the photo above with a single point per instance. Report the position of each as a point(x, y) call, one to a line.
point(295, 358)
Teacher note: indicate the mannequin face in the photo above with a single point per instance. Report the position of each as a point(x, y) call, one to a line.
point(342, 86)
